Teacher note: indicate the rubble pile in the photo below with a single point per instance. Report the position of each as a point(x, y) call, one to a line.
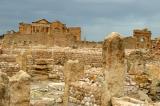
point(64, 76)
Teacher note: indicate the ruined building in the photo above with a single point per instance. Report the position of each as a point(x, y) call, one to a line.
point(46, 27)
point(141, 38)
point(43, 32)
point(116, 73)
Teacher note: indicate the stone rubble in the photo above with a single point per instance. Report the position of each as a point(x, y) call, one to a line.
point(109, 75)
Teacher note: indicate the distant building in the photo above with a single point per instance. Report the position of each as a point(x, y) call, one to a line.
point(44, 26)
point(45, 33)
point(141, 39)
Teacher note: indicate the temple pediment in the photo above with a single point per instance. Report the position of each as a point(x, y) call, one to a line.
point(42, 21)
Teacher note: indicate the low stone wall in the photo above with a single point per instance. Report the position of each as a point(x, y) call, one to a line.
point(8, 64)
point(47, 63)
point(87, 44)
point(90, 56)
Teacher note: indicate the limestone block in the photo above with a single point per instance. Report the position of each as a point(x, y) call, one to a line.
point(126, 101)
point(7, 58)
point(19, 89)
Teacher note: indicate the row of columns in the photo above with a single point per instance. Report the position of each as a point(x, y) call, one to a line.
point(39, 29)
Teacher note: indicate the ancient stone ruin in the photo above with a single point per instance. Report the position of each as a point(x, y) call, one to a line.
point(15, 90)
point(47, 64)
point(114, 69)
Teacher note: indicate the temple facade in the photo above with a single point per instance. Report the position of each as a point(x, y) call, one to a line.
point(46, 27)
point(43, 32)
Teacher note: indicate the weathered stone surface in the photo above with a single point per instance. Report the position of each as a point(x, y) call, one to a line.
point(4, 96)
point(127, 101)
point(114, 70)
point(46, 93)
point(73, 70)
point(8, 64)
point(19, 89)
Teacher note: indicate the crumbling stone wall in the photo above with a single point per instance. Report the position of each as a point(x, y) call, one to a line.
point(47, 63)
point(143, 38)
point(87, 44)
point(57, 39)
point(8, 64)
point(129, 43)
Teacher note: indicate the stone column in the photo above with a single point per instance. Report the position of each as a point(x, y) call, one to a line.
point(19, 89)
point(39, 27)
point(73, 70)
point(47, 30)
point(32, 28)
point(35, 29)
point(114, 69)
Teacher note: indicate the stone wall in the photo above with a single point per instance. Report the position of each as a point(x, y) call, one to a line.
point(8, 64)
point(44, 63)
point(87, 44)
point(22, 40)
point(90, 56)
point(129, 43)
point(57, 39)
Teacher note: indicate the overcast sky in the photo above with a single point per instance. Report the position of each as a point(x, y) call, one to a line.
point(97, 18)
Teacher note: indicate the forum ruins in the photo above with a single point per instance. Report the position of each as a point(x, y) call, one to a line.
point(48, 64)
point(43, 32)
